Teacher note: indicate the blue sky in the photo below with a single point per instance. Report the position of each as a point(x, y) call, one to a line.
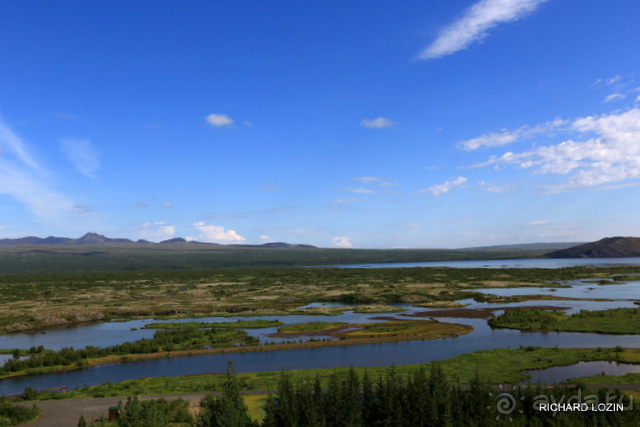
point(377, 124)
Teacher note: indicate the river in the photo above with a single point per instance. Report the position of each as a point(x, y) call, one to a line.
point(411, 352)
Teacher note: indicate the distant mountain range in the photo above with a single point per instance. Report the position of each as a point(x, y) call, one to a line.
point(98, 239)
point(609, 247)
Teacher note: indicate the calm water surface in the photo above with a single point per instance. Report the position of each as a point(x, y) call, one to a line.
point(483, 337)
point(508, 263)
point(581, 369)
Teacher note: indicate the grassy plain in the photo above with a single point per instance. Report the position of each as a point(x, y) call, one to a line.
point(238, 324)
point(36, 301)
point(613, 321)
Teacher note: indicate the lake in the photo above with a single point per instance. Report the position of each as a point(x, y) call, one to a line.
point(558, 374)
point(411, 352)
point(508, 263)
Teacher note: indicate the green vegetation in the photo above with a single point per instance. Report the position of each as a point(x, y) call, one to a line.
point(428, 399)
point(154, 413)
point(497, 366)
point(239, 324)
point(169, 340)
point(12, 415)
point(227, 410)
point(613, 321)
point(414, 396)
point(300, 328)
point(113, 257)
point(37, 301)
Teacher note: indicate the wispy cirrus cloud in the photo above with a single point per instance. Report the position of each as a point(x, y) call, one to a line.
point(378, 123)
point(22, 178)
point(83, 154)
point(361, 190)
point(505, 137)
point(495, 188)
point(447, 186)
point(614, 97)
point(475, 23)
point(606, 150)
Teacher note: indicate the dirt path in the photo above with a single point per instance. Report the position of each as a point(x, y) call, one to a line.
point(65, 413)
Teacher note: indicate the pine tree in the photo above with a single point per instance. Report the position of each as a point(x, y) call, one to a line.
point(229, 410)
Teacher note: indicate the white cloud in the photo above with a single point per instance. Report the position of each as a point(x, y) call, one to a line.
point(537, 222)
point(361, 190)
point(247, 124)
point(612, 80)
point(475, 23)
point(493, 139)
point(614, 97)
point(219, 120)
point(367, 179)
point(214, 233)
point(378, 123)
point(157, 231)
point(342, 242)
point(495, 188)
point(83, 154)
point(12, 144)
point(609, 152)
point(167, 204)
point(439, 189)
point(265, 237)
point(22, 178)
point(374, 180)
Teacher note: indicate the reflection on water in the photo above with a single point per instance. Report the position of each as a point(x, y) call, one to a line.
point(558, 374)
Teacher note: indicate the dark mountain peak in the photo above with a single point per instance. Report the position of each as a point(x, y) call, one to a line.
point(174, 240)
point(609, 247)
point(92, 238)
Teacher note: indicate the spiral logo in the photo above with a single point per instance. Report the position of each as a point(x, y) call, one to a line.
point(505, 403)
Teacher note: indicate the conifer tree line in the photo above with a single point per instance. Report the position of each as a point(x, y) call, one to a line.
point(421, 398)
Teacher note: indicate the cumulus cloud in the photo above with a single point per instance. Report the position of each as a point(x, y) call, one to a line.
point(214, 233)
point(607, 151)
point(378, 123)
point(439, 189)
point(342, 242)
point(475, 23)
point(157, 231)
point(219, 120)
point(505, 137)
point(83, 154)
